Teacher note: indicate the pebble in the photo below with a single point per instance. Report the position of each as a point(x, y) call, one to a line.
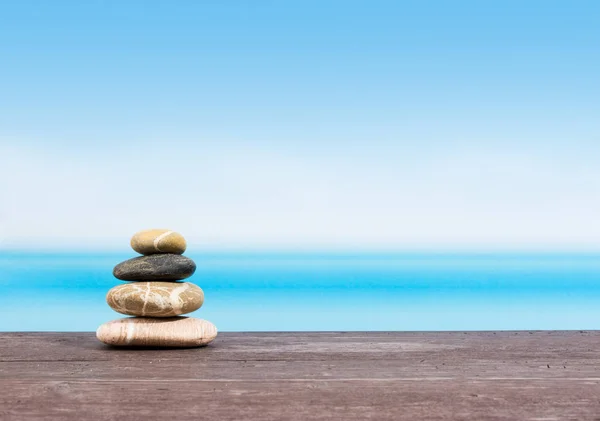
point(155, 299)
point(174, 332)
point(159, 267)
point(158, 241)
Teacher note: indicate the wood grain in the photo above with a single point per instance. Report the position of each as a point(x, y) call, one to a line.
point(306, 376)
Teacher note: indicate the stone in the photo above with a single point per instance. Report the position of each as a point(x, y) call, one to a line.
point(155, 299)
point(158, 241)
point(156, 267)
point(174, 332)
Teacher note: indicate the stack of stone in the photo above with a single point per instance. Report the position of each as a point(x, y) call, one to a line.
point(157, 297)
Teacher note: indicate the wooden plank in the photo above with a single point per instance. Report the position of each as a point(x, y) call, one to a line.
point(299, 376)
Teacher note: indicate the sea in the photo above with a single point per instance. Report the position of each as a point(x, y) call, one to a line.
point(324, 291)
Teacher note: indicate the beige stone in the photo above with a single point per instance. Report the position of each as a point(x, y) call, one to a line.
point(175, 332)
point(155, 299)
point(158, 241)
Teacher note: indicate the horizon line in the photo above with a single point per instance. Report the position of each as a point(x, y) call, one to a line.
point(319, 250)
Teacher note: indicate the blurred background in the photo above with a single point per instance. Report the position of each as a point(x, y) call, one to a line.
point(334, 165)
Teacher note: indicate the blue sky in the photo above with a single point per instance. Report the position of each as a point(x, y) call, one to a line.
point(308, 124)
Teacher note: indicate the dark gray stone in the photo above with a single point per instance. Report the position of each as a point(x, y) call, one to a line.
point(156, 267)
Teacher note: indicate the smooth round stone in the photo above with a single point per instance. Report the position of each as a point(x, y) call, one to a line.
point(174, 332)
point(156, 267)
point(155, 299)
point(158, 241)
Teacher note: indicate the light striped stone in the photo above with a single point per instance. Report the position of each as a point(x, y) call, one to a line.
point(156, 241)
point(174, 332)
point(155, 299)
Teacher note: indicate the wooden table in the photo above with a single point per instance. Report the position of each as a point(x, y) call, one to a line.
point(301, 376)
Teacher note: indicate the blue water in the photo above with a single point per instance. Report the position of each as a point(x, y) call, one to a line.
point(266, 292)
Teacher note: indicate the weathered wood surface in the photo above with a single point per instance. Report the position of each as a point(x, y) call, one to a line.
point(305, 376)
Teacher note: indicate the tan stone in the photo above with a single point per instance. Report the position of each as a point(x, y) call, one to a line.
point(158, 241)
point(174, 332)
point(155, 299)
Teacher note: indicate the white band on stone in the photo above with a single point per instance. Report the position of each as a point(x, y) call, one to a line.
point(160, 237)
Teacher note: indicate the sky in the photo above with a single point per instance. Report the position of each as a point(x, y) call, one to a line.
point(301, 124)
